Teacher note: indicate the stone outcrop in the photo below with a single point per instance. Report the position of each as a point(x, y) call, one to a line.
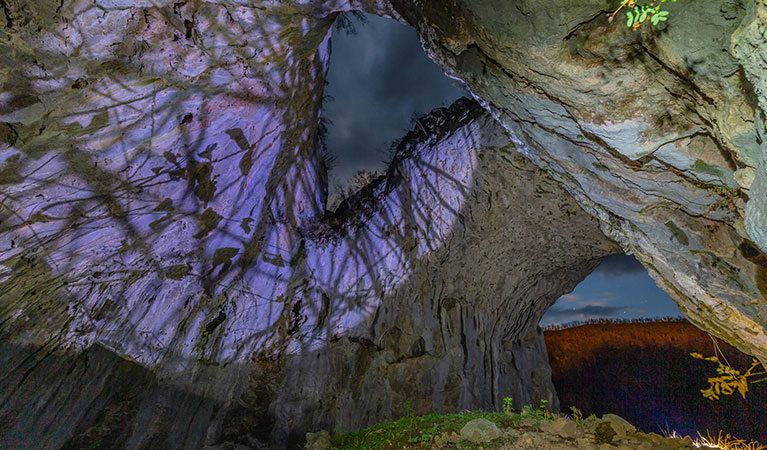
point(657, 132)
point(163, 216)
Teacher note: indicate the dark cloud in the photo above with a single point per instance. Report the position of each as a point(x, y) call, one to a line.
point(618, 265)
point(556, 314)
point(378, 77)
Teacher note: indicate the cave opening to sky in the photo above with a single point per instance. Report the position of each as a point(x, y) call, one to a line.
point(379, 79)
point(619, 288)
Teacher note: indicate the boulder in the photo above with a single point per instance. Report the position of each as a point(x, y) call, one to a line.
point(604, 433)
point(561, 427)
point(480, 430)
point(319, 440)
point(619, 424)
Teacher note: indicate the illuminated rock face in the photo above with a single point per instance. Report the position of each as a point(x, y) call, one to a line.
point(168, 276)
point(659, 134)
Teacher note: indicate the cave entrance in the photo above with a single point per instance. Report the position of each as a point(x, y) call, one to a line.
point(643, 371)
point(619, 288)
point(601, 364)
point(378, 82)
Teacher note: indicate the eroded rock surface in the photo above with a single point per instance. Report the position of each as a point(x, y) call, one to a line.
point(657, 132)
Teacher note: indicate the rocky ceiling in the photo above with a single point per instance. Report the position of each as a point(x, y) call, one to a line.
point(658, 133)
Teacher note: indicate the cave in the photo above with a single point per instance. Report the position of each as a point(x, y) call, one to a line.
point(170, 276)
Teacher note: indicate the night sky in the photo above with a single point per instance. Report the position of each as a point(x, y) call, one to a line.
point(378, 79)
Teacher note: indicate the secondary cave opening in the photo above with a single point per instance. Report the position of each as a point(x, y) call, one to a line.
point(378, 82)
point(619, 288)
point(609, 353)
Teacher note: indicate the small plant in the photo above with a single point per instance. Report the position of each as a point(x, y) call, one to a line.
point(577, 415)
point(424, 437)
point(729, 379)
point(409, 408)
point(640, 13)
point(540, 413)
point(508, 406)
point(543, 411)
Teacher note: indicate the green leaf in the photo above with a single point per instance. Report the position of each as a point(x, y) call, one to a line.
point(645, 11)
point(631, 19)
point(659, 17)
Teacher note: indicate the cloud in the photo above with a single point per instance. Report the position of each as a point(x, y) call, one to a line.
point(620, 265)
point(575, 300)
point(378, 78)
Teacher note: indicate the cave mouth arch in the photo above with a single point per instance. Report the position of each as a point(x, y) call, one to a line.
point(630, 343)
point(209, 331)
point(619, 288)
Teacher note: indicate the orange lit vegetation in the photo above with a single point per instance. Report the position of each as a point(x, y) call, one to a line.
point(648, 355)
point(726, 443)
point(729, 379)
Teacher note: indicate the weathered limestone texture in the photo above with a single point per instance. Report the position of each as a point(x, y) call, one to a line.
point(465, 277)
point(168, 277)
point(748, 45)
point(657, 132)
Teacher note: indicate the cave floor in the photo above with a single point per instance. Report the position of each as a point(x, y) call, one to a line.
point(533, 429)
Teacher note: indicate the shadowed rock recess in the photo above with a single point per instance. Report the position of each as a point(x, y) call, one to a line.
point(169, 277)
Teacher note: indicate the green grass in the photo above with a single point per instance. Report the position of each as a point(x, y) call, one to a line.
point(418, 432)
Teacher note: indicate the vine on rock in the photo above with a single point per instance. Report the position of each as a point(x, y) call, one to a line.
point(640, 13)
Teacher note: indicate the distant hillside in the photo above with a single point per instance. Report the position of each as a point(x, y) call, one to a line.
point(643, 372)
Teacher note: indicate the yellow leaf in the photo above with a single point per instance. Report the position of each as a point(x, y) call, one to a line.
point(743, 387)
